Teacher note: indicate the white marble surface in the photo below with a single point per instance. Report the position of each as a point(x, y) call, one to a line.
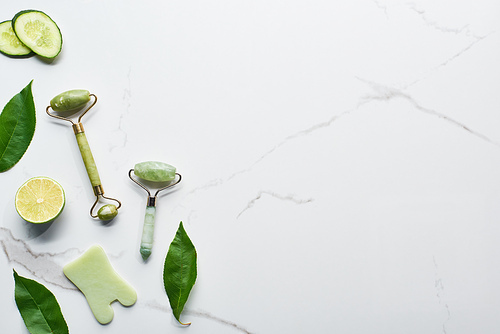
point(341, 162)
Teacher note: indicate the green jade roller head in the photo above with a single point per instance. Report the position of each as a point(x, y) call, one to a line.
point(72, 101)
point(155, 172)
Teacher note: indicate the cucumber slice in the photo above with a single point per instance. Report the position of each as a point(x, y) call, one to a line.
point(38, 32)
point(10, 44)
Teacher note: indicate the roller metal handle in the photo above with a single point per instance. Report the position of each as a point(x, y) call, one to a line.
point(148, 232)
point(86, 153)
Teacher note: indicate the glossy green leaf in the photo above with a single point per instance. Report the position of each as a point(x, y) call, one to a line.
point(17, 127)
point(38, 307)
point(179, 272)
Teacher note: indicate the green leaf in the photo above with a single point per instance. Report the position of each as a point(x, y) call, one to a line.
point(179, 272)
point(38, 307)
point(17, 126)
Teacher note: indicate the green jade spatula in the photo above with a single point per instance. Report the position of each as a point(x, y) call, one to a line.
point(69, 102)
point(157, 172)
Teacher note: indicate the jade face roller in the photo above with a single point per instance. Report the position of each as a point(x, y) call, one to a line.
point(152, 171)
point(73, 100)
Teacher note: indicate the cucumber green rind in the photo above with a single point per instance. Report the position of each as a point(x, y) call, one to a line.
point(20, 51)
point(29, 55)
point(52, 34)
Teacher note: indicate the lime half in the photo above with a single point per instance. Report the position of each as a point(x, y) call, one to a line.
point(40, 200)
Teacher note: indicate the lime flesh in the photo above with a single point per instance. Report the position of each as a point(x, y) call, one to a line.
point(40, 200)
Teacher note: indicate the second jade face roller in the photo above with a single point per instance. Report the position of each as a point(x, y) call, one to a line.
point(70, 101)
point(157, 173)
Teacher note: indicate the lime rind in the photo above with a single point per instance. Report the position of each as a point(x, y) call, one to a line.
point(38, 32)
point(26, 201)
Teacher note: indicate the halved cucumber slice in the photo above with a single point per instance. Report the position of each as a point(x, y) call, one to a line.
point(10, 44)
point(38, 32)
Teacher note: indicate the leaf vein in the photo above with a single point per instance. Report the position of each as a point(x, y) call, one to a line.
point(17, 127)
point(37, 306)
point(11, 135)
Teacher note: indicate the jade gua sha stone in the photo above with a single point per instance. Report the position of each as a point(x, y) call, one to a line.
point(156, 172)
point(93, 274)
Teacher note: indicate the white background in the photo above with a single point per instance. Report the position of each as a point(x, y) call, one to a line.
point(340, 162)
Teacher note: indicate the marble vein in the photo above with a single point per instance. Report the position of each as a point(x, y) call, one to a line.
point(127, 95)
point(463, 30)
point(208, 185)
point(435, 25)
point(449, 60)
point(209, 316)
point(438, 284)
point(307, 131)
point(381, 6)
point(385, 93)
point(381, 93)
point(290, 198)
point(41, 265)
point(461, 52)
point(296, 135)
point(202, 314)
